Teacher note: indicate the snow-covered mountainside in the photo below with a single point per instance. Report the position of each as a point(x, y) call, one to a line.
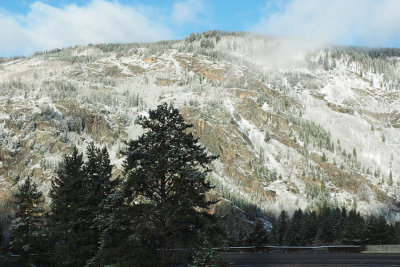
point(294, 127)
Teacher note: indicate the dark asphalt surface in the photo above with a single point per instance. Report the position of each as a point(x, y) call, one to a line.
point(310, 259)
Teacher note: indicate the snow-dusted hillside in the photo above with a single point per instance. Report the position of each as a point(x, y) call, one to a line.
point(295, 127)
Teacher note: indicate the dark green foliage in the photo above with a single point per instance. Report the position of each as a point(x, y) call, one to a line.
point(69, 225)
point(27, 229)
point(258, 236)
point(334, 226)
point(206, 256)
point(77, 192)
point(98, 171)
point(166, 169)
point(395, 232)
point(377, 231)
point(309, 228)
point(1, 235)
point(326, 232)
point(281, 227)
point(120, 242)
point(353, 229)
point(292, 235)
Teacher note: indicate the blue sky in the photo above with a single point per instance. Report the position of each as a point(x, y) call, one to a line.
point(28, 26)
point(221, 14)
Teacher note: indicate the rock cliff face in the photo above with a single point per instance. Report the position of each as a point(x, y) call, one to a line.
point(320, 127)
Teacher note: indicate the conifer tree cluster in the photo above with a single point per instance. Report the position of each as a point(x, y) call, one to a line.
point(332, 226)
point(328, 226)
point(165, 186)
point(139, 219)
point(76, 194)
point(156, 213)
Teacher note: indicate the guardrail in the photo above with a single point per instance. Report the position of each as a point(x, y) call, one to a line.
point(382, 249)
point(296, 249)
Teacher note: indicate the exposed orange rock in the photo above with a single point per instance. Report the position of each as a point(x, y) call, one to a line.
point(150, 59)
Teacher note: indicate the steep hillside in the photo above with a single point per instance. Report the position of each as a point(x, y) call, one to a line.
point(294, 126)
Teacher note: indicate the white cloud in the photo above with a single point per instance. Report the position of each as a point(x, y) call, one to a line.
point(47, 27)
point(365, 22)
point(188, 11)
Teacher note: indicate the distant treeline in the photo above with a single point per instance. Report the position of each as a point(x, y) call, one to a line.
point(328, 226)
point(7, 59)
point(373, 52)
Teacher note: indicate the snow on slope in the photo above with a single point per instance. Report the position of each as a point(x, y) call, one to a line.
point(244, 89)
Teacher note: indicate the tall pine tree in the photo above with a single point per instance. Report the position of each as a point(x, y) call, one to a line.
point(309, 228)
point(98, 170)
point(77, 194)
point(166, 168)
point(27, 233)
point(292, 235)
point(280, 227)
point(69, 210)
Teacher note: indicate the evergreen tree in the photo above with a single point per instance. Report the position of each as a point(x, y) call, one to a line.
point(292, 236)
point(206, 256)
point(258, 236)
point(166, 168)
point(353, 229)
point(77, 193)
point(98, 170)
point(69, 225)
point(281, 227)
point(396, 232)
point(309, 228)
point(27, 234)
point(377, 231)
point(326, 230)
point(120, 242)
point(338, 223)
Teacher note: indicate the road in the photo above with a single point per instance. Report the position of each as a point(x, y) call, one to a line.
point(311, 259)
